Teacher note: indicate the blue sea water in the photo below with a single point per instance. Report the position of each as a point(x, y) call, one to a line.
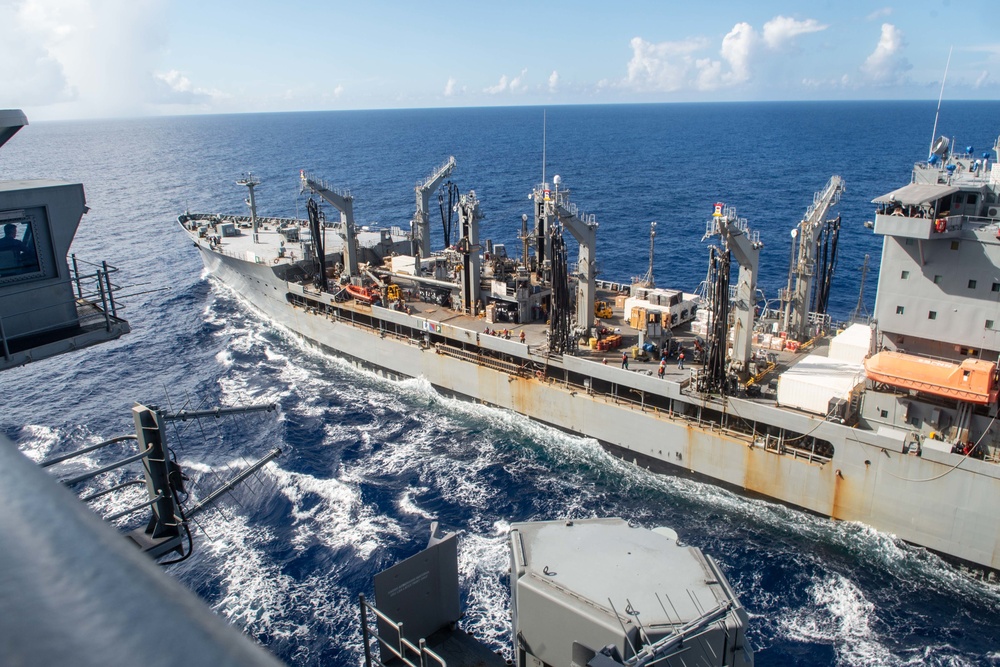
point(368, 463)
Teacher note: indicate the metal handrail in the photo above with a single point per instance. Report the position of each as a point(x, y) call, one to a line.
point(402, 644)
point(100, 297)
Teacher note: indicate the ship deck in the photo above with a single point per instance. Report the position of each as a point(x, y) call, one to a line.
point(265, 251)
point(536, 339)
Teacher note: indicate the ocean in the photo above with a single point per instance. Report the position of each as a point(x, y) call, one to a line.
point(368, 463)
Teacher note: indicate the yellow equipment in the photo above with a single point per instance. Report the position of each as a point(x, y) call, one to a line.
point(602, 310)
point(392, 292)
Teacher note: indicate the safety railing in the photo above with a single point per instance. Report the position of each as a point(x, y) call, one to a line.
point(410, 654)
point(94, 302)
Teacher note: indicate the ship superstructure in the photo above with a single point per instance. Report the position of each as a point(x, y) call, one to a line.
point(767, 402)
point(51, 302)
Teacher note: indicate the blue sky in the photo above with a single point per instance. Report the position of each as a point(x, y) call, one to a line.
point(108, 58)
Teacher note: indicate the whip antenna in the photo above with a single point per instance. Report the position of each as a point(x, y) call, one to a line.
point(940, 95)
point(543, 145)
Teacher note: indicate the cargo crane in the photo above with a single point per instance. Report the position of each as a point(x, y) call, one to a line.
point(555, 203)
point(343, 202)
point(316, 229)
point(744, 245)
point(421, 220)
point(802, 295)
point(469, 215)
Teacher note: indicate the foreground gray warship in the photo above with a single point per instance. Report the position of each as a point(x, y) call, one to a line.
point(889, 422)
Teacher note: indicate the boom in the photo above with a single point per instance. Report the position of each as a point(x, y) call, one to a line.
point(798, 297)
point(343, 202)
point(555, 203)
point(745, 245)
point(421, 221)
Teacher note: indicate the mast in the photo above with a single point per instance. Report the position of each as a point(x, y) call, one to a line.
point(543, 145)
point(860, 307)
point(251, 181)
point(940, 96)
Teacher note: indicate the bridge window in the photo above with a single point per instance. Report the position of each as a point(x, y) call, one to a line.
point(932, 315)
point(904, 275)
point(954, 245)
point(899, 310)
point(989, 324)
point(937, 280)
point(995, 288)
point(972, 284)
point(18, 254)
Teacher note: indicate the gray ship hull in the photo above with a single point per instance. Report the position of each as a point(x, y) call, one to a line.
point(938, 500)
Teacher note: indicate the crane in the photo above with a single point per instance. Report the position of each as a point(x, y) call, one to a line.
point(583, 227)
point(421, 221)
point(470, 215)
point(798, 295)
point(343, 202)
point(745, 246)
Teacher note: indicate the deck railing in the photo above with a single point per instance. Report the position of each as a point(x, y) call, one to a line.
point(94, 302)
point(402, 649)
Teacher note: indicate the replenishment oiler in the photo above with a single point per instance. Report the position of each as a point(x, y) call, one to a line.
point(889, 422)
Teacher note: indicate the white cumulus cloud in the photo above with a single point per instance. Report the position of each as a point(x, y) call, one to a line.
point(553, 81)
point(886, 63)
point(781, 30)
point(29, 75)
point(517, 83)
point(666, 66)
point(449, 88)
point(500, 86)
point(737, 49)
point(688, 64)
point(508, 85)
point(175, 88)
point(90, 57)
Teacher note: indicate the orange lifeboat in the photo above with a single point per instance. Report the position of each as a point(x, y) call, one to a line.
point(974, 380)
point(362, 294)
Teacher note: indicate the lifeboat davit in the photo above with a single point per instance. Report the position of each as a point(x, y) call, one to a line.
point(973, 380)
point(362, 294)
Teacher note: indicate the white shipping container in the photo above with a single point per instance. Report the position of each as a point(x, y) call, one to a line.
point(813, 382)
point(852, 344)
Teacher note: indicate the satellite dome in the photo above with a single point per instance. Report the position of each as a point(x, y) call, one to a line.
point(940, 147)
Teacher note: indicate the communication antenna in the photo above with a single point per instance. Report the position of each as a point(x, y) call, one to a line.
point(860, 307)
point(543, 145)
point(940, 96)
point(649, 272)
